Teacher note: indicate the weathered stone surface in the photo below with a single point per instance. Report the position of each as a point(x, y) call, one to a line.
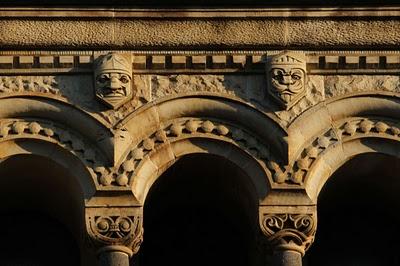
point(283, 33)
point(246, 87)
point(341, 85)
point(75, 89)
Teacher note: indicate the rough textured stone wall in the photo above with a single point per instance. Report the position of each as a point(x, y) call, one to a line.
point(219, 31)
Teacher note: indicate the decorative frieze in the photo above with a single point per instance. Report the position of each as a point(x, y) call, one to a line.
point(246, 87)
point(169, 62)
point(20, 84)
point(340, 85)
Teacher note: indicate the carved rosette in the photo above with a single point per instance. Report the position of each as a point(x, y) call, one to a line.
point(289, 231)
point(118, 227)
point(286, 74)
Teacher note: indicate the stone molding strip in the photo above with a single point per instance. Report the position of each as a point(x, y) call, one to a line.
point(199, 13)
point(254, 62)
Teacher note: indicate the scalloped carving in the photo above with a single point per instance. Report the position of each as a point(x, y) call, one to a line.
point(14, 129)
point(183, 128)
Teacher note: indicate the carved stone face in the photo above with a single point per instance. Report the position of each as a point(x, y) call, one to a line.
point(113, 79)
point(287, 77)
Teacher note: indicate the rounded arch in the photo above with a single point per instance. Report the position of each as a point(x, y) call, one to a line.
point(337, 154)
point(152, 167)
point(43, 192)
point(362, 189)
point(323, 116)
point(265, 126)
point(45, 139)
point(62, 113)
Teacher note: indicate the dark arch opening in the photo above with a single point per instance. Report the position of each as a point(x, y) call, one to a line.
point(358, 216)
point(41, 213)
point(202, 211)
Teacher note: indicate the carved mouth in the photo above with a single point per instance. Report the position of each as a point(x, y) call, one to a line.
point(109, 93)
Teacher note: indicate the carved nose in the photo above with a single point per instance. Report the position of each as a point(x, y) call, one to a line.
point(114, 84)
point(287, 79)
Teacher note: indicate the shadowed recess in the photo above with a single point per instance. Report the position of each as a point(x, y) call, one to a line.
point(201, 211)
point(41, 205)
point(357, 215)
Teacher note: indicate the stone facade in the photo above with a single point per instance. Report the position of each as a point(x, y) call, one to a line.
point(118, 115)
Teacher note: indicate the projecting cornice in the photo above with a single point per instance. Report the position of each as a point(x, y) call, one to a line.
point(200, 12)
point(199, 29)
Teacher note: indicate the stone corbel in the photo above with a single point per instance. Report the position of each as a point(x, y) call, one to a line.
point(113, 79)
point(289, 230)
point(115, 233)
point(286, 75)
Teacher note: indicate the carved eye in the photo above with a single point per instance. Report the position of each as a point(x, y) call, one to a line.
point(124, 79)
point(297, 75)
point(277, 73)
point(103, 78)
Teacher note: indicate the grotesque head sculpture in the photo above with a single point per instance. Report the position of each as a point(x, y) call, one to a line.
point(113, 79)
point(286, 73)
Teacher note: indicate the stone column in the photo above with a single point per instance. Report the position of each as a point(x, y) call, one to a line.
point(115, 233)
point(114, 256)
point(289, 234)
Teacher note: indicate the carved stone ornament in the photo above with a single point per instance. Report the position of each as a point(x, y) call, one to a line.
point(113, 79)
point(286, 74)
point(115, 227)
point(289, 231)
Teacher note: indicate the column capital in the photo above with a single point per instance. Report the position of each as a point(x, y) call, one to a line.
point(289, 230)
point(115, 229)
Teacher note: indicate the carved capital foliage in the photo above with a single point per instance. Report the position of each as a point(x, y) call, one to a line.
point(286, 74)
point(115, 227)
point(289, 231)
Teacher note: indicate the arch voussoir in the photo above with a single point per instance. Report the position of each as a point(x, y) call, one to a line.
point(336, 145)
point(51, 140)
point(155, 153)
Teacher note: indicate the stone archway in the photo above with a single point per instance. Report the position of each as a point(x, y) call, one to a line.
point(201, 211)
point(43, 204)
point(357, 217)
